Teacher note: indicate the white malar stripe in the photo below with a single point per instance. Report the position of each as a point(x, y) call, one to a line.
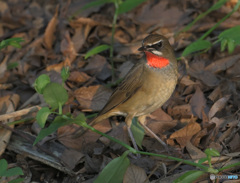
point(156, 52)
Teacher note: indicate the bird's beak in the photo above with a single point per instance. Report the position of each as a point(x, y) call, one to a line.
point(142, 48)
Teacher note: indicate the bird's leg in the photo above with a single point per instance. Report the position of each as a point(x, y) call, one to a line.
point(128, 121)
point(142, 120)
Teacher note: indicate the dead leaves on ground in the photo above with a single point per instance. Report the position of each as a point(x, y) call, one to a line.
point(202, 113)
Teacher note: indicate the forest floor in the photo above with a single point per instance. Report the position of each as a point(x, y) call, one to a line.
point(202, 113)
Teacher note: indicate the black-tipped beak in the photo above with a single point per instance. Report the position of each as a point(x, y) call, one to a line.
point(142, 48)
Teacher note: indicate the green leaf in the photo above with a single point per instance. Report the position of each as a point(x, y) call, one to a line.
point(189, 176)
point(13, 171)
point(41, 82)
point(57, 123)
point(138, 132)
point(96, 50)
point(65, 73)
point(3, 166)
point(17, 180)
point(12, 65)
point(55, 95)
point(200, 161)
point(15, 42)
point(42, 116)
point(212, 152)
point(229, 166)
point(196, 46)
point(230, 37)
point(223, 44)
point(231, 34)
point(115, 170)
point(235, 8)
point(128, 5)
point(231, 45)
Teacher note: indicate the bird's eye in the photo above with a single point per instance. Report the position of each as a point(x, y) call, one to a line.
point(159, 44)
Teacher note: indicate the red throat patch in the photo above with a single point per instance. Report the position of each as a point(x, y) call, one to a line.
point(156, 61)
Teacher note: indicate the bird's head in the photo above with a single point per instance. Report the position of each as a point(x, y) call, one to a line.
point(159, 52)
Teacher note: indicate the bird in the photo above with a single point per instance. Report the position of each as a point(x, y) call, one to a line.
point(146, 87)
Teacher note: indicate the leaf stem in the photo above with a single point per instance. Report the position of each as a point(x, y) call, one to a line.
point(111, 138)
point(229, 166)
point(222, 20)
point(205, 168)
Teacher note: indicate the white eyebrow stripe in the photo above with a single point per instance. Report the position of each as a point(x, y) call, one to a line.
point(155, 43)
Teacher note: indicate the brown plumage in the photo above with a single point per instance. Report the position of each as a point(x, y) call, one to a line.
point(147, 86)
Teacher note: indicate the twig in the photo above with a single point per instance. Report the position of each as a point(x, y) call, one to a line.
point(20, 113)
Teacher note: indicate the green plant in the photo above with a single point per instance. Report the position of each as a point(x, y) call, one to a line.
point(229, 37)
point(4, 170)
point(121, 162)
point(54, 94)
point(15, 42)
point(117, 167)
point(9, 172)
point(120, 8)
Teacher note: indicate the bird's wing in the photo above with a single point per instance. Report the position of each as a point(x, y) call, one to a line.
point(128, 87)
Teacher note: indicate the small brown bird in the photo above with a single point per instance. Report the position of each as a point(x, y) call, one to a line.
point(147, 86)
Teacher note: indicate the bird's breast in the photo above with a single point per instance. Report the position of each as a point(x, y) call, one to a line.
point(155, 90)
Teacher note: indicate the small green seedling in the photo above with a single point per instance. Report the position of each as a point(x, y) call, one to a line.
point(9, 172)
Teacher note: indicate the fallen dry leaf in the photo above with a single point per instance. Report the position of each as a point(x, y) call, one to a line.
point(234, 70)
point(58, 67)
point(218, 121)
point(183, 111)
point(197, 138)
point(216, 145)
point(194, 152)
point(67, 47)
point(8, 104)
point(92, 98)
point(198, 103)
point(135, 174)
point(185, 134)
point(80, 36)
point(159, 127)
point(215, 94)
point(160, 14)
point(160, 121)
point(71, 157)
point(65, 135)
point(98, 66)
point(218, 106)
point(222, 64)
point(119, 132)
point(187, 81)
point(207, 77)
point(78, 77)
point(234, 143)
point(3, 67)
point(49, 36)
